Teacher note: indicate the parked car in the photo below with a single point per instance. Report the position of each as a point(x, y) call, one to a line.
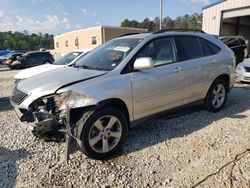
point(3, 55)
point(11, 57)
point(4, 52)
point(31, 59)
point(238, 45)
point(67, 59)
point(243, 71)
point(124, 82)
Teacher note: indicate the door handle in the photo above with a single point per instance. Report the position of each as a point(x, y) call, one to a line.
point(178, 69)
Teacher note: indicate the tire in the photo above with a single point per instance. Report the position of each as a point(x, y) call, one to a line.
point(216, 97)
point(95, 134)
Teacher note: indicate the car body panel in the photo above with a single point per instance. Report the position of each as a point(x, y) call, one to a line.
point(30, 72)
point(157, 89)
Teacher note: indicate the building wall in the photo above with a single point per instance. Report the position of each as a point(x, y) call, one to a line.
point(84, 37)
point(101, 34)
point(212, 16)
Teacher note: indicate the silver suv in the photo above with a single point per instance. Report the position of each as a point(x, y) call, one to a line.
point(124, 81)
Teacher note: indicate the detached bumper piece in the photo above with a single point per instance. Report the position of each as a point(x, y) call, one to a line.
point(49, 130)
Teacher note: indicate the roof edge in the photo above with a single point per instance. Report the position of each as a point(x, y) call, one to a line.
point(213, 4)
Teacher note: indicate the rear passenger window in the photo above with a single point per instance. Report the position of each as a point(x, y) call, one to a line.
point(209, 48)
point(191, 47)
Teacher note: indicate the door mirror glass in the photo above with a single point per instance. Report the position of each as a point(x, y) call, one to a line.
point(143, 63)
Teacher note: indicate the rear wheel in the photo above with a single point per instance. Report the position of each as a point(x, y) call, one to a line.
point(216, 96)
point(103, 133)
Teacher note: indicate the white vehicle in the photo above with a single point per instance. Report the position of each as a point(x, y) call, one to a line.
point(67, 59)
point(243, 71)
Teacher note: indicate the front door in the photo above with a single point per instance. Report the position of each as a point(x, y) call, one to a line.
point(161, 87)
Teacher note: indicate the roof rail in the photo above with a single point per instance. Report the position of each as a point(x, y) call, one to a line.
point(127, 34)
point(180, 30)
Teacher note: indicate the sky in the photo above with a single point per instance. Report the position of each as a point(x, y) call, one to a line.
point(59, 16)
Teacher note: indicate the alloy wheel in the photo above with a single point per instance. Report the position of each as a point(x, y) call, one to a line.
point(105, 134)
point(218, 96)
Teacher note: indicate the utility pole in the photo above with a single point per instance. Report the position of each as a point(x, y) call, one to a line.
point(161, 10)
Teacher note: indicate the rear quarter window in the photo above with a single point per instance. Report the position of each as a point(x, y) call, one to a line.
point(209, 48)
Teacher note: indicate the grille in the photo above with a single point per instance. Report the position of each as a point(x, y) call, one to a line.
point(247, 69)
point(18, 96)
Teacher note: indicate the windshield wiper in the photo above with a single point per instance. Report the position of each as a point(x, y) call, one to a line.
point(88, 67)
point(84, 67)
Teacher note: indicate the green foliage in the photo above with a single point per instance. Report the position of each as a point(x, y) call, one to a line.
point(24, 41)
point(193, 21)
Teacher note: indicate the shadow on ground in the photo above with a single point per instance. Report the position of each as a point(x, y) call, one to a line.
point(8, 168)
point(5, 104)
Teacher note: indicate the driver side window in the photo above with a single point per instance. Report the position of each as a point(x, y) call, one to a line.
point(162, 51)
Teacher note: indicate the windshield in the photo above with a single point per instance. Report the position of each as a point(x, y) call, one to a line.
point(109, 55)
point(66, 59)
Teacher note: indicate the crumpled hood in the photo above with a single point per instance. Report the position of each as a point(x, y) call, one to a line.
point(49, 82)
point(30, 72)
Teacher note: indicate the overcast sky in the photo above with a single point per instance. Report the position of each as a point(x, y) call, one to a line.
point(58, 16)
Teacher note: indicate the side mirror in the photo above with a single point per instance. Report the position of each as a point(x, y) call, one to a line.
point(143, 63)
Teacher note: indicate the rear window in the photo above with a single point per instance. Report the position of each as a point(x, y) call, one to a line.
point(191, 47)
point(209, 48)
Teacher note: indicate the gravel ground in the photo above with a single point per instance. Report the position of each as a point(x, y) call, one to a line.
point(175, 150)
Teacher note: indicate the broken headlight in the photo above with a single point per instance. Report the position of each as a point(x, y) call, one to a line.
point(72, 100)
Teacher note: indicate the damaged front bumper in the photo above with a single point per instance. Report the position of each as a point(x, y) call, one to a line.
point(25, 125)
point(48, 129)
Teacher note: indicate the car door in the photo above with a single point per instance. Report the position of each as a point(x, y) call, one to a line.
point(32, 60)
point(161, 87)
point(198, 63)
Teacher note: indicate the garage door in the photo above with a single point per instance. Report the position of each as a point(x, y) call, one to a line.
point(236, 13)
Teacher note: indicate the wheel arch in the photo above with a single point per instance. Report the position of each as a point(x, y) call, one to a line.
point(226, 78)
point(113, 102)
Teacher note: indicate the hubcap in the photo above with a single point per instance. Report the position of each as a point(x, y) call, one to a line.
point(105, 134)
point(218, 97)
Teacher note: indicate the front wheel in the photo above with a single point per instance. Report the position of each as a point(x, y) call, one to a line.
point(103, 133)
point(216, 96)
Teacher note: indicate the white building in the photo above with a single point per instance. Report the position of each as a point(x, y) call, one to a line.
point(227, 17)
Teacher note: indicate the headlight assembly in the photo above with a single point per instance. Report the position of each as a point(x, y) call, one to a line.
point(72, 100)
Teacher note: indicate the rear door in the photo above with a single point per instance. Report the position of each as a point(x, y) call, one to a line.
point(161, 87)
point(199, 60)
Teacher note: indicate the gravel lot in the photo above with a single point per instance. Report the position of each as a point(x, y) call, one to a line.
point(169, 151)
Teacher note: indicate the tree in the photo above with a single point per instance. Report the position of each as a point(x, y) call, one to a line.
point(24, 41)
point(193, 21)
